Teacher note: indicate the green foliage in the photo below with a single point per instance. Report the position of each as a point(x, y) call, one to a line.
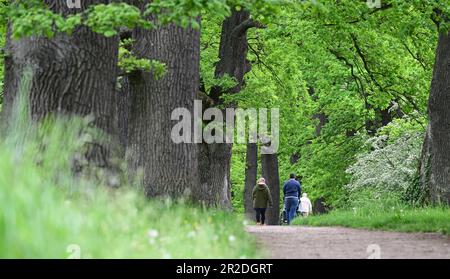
point(3, 12)
point(400, 127)
point(107, 19)
point(28, 20)
point(210, 41)
point(402, 219)
point(186, 12)
point(225, 82)
point(371, 200)
point(346, 62)
point(129, 63)
point(238, 177)
point(32, 17)
point(415, 194)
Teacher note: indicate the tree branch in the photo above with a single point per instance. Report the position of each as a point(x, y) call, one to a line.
point(416, 57)
point(357, 79)
point(363, 16)
point(242, 28)
point(439, 14)
point(271, 70)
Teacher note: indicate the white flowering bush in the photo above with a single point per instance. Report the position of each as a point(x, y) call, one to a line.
point(388, 167)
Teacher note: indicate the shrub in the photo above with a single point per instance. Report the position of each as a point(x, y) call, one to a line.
point(387, 167)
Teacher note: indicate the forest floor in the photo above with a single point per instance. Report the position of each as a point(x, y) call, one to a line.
point(296, 242)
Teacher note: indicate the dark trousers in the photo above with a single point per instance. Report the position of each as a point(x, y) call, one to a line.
point(260, 215)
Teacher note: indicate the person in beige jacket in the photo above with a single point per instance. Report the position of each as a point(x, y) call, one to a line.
point(305, 205)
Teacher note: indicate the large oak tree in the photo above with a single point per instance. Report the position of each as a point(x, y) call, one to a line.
point(169, 169)
point(435, 165)
point(215, 159)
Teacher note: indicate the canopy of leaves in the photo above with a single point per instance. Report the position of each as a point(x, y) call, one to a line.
point(348, 63)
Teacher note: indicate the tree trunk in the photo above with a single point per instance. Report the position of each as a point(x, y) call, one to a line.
point(72, 75)
point(424, 168)
point(251, 172)
point(233, 52)
point(321, 116)
point(216, 157)
point(323, 120)
point(269, 164)
point(214, 165)
point(169, 169)
point(123, 110)
point(439, 125)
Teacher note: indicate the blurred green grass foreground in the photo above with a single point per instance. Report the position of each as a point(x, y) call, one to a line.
point(48, 212)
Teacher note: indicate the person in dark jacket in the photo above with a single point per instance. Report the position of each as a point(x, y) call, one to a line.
point(261, 199)
point(292, 191)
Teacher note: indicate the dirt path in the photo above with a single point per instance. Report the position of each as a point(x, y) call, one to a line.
point(294, 242)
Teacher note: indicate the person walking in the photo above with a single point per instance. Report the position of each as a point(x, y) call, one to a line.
point(305, 205)
point(292, 191)
point(261, 199)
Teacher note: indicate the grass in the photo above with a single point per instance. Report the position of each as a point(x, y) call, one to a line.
point(48, 212)
point(401, 219)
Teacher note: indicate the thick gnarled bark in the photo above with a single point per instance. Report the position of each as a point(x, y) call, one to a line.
point(436, 154)
point(424, 168)
point(72, 75)
point(214, 165)
point(233, 62)
point(269, 164)
point(251, 172)
point(169, 169)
